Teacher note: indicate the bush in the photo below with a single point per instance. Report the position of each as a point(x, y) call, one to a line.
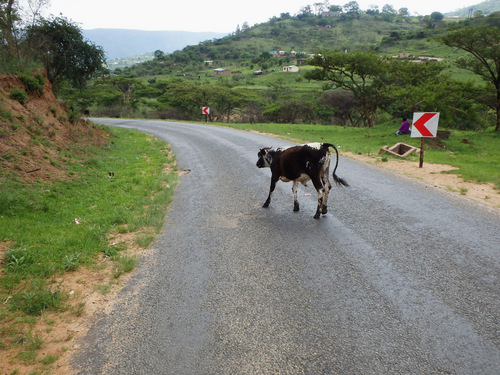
point(20, 95)
point(33, 84)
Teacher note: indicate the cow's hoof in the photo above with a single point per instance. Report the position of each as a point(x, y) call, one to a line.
point(316, 216)
point(324, 211)
point(296, 209)
point(265, 205)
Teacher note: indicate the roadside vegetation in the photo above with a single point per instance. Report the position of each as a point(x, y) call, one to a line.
point(51, 228)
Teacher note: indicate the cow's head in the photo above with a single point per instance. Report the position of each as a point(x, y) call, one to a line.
point(265, 156)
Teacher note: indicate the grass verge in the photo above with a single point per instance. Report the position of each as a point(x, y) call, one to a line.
point(48, 230)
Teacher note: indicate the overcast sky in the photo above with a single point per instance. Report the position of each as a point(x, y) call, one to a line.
point(217, 16)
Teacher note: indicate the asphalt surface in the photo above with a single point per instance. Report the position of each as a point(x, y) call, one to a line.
point(398, 277)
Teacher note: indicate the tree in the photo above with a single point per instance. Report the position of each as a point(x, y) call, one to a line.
point(352, 7)
point(388, 9)
point(436, 16)
point(159, 55)
point(9, 46)
point(426, 87)
point(483, 45)
point(364, 74)
point(404, 12)
point(127, 88)
point(64, 53)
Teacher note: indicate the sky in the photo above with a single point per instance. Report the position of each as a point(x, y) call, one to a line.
point(222, 16)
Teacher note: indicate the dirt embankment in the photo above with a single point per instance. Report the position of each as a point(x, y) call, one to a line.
point(39, 137)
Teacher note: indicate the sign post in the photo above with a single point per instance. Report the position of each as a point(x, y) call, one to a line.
point(205, 111)
point(424, 125)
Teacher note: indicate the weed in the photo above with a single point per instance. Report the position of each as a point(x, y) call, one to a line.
point(27, 357)
point(48, 359)
point(50, 321)
point(6, 115)
point(29, 341)
point(144, 240)
point(20, 95)
point(103, 288)
point(36, 301)
point(16, 259)
point(124, 264)
point(463, 190)
point(53, 110)
point(79, 309)
point(71, 262)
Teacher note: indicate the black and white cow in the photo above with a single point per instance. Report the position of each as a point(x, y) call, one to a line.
point(301, 164)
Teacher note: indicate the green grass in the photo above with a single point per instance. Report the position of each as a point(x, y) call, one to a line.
point(38, 226)
point(475, 153)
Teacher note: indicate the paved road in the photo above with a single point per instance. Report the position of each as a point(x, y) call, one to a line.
point(398, 278)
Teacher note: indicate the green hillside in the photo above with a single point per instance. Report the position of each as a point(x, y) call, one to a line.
point(299, 36)
point(266, 73)
point(485, 7)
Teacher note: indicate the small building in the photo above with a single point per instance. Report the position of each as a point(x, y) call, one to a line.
point(221, 72)
point(291, 69)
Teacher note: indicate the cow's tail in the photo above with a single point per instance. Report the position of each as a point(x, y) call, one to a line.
point(337, 179)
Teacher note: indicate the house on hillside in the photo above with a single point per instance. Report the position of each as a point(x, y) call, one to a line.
point(331, 14)
point(221, 72)
point(291, 69)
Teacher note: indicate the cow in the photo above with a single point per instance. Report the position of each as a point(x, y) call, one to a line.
point(301, 164)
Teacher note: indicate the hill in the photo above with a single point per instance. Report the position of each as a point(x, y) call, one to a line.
point(118, 43)
point(294, 38)
point(486, 7)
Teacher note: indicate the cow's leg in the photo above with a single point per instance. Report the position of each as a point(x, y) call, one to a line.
point(327, 189)
point(271, 189)
point(326, 184)
point(295, 199)
point(318, 184)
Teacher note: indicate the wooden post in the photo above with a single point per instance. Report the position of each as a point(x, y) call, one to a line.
point(422, 142)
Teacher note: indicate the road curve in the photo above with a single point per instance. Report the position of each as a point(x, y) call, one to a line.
point(398, 278)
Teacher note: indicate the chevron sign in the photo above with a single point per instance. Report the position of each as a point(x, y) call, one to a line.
point(425, 124)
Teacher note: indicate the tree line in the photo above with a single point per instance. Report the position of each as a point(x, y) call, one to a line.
point(360, 88)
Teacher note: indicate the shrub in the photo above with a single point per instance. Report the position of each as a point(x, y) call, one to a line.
point(20, 95)
point(33, 84)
